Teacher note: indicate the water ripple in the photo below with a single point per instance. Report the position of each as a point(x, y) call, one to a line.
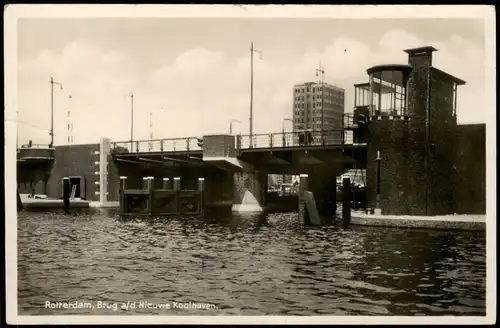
point(246, 265)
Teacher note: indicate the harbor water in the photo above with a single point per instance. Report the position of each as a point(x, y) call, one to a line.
point(244, 265)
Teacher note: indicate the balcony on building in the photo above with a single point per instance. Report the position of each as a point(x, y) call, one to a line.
point(386, 93)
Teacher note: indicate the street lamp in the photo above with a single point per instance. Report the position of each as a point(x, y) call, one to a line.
point(52, 82)
point(252, 50)
point(378, 159)
point(131, 95)
point(321, 70)
point(231, 125)
point(70, 121)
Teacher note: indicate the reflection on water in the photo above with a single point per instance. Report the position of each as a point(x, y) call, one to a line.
point(246, 265)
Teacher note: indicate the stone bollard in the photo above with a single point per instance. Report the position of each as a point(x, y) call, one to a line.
point(177, 188)
point(149, 186)
point(66, 194)
point(303, 186)
point(346, 201)
point(201, 189)
point(177, 184)
point(123, 185)
point(149, 183)
point(166, 183)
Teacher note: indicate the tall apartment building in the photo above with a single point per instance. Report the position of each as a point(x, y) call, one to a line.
point(307, 101)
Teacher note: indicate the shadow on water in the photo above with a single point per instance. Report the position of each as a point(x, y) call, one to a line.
point(246, 264)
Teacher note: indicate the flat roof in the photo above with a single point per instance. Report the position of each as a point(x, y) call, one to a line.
point(389, 67)
point(305, 84)
point(417, 50)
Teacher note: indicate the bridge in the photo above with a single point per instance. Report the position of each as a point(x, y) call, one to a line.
point(282, 152)
point(236, 167)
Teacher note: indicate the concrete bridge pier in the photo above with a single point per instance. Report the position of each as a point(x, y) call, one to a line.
point(249, 191)
point(323, 185)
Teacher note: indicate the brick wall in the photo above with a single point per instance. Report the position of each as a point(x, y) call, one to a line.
point(75, 160)
point(442, 145)
point(390, 137)
point(470, 177)
point(418, 96)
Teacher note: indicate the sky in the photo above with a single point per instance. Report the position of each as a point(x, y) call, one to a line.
point(191, 76)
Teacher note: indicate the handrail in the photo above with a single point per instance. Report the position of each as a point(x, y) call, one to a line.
point(36, 146)
point(304, 138)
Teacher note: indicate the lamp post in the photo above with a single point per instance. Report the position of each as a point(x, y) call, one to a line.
point(378, 159)
point(70, 123)
point(252, 50)
point(321, 70)
point(52, 82)
point(131, 95)
point(231, 125)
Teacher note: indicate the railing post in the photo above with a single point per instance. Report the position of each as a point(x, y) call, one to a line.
point(137, 146)
point(161, 145)
point(271, 140)
point(187, 143)
point(174, 144)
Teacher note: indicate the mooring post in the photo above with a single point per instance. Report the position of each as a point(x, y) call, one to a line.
point(66, 194)
point(346, 201)
point(177, 188)
point(201, 189)
point(149, 186)
point(123, 185)
point(303, 186)
point(166, 183)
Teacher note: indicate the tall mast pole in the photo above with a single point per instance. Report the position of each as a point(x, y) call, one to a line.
point(251, 95)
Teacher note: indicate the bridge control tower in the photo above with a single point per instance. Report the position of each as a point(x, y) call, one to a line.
point(411, 136)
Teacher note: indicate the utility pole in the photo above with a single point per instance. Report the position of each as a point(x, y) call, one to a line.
point(252, 50)
point(52, 82)
point(150, 130)
point(70, 123)
point(131, 119)
point(321, 70)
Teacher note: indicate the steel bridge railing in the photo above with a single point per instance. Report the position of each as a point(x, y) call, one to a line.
point(293, 139)
point(335, 137)
point(157, 145)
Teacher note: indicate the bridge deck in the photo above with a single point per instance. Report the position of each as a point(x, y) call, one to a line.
point(338, 138)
